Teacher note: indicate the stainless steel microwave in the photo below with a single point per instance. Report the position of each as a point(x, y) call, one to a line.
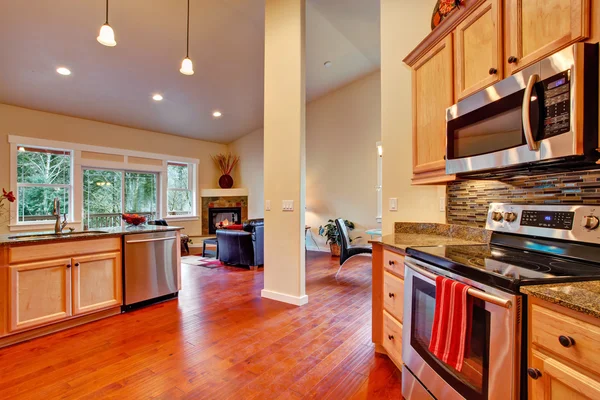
point(542, 119)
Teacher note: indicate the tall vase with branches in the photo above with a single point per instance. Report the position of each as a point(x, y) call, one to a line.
point(226, 163)
point(9, 197)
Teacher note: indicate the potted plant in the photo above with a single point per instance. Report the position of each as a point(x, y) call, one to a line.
point(332, 234)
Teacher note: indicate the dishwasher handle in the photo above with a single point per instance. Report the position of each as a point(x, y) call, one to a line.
point(150, 240)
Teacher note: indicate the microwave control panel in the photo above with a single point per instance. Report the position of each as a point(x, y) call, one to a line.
point(557, 100)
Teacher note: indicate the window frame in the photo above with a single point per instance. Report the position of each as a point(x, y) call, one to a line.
point(191, 188)
point(70, 187)
point(130, 162)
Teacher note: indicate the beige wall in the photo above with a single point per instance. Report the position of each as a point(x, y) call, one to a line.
point(403, 25)
point(342, 129)
point(24, 122)
point(249, 172)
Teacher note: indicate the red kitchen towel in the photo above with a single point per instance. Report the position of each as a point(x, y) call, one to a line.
point(451, 332)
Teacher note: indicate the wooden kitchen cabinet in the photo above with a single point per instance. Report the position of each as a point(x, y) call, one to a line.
point(96, 282)
point(39, 293)
point(556, 371)
point(537, 28)
point(478, 49)
point(433, 92)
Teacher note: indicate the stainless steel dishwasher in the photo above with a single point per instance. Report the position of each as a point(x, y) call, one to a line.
point(150, 267)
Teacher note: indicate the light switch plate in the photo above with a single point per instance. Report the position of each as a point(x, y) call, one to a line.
point(288, 205)
point(393, 204)
point(267, 205)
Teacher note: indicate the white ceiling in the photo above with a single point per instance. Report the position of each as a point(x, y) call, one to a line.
point(115, 85)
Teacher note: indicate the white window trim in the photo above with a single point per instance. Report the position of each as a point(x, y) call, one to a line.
point(379, 186)
point(78, 164)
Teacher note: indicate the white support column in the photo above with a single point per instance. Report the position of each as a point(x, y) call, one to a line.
point(284, 150)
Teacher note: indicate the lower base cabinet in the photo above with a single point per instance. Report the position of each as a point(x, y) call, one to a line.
point(39, 293)
point(96, 282)
point(563, 345)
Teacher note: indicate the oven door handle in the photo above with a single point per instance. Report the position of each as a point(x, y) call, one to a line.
point(531, 142)
point(488, 298)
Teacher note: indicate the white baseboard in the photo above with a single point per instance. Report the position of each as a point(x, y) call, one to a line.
point(321, 249)
point(284, 298)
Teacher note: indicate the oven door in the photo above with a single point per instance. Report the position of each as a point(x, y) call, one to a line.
point(491, 369)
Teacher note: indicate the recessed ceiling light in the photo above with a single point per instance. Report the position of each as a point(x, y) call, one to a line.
point(63, 71)
point(217, 114)
point(157, 97)
point(327, 64)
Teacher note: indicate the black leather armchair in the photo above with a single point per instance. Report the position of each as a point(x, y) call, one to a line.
point(348, 250)
point(245, 247)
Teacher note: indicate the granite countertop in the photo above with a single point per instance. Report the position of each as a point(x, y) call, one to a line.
point(578, 296)
point(28, 238)
point(415, 234)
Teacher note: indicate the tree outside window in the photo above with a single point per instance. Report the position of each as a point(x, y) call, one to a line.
point(179, 189)
point(42, 175)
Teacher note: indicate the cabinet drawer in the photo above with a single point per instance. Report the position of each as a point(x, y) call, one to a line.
point(393, 295)
point(393, 262)
point(58, 250)
point(392, 337)
point(548, 326)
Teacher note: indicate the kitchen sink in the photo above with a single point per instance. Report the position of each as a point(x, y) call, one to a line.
point(47, 235)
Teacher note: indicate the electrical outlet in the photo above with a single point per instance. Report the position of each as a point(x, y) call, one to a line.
point(393, 204)
point(288, 205)
point(267, 205)
point(442, 204)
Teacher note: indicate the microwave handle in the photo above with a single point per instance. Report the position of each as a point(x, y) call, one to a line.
point(531, 142)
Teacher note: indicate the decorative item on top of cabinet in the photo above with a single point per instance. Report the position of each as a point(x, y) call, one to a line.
point(442, 9)
point(536, 29)
point(478, 49)
point(433, 92)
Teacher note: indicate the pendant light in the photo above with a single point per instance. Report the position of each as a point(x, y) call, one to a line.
point(107, 35)
point(187, 68)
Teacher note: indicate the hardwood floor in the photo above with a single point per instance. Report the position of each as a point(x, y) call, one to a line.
point(219, 340)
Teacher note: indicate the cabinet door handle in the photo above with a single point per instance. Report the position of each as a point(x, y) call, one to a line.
point(534, 373)
point(512, 59)
point(391, 262)
point(566, 341)
point(392, 295)
point(391, 337)
point(77, 264)
point(493, 71)
point(68, 265)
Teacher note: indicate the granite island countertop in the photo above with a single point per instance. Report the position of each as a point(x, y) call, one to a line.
point(29, 238)
point(414, 234)
point(579, 296)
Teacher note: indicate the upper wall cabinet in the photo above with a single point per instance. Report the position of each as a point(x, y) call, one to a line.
point(537, 28)
point(478, 49)
point(433, 92)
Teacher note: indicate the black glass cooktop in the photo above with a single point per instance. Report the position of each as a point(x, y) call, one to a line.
point(505, 267)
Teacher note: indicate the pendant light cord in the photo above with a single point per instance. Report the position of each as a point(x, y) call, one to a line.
point(187, 46)
point(106, 12)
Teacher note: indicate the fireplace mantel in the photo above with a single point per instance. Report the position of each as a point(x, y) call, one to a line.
point(223, 192)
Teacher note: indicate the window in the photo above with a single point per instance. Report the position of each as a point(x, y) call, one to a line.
point(106, 193)
point(42, 176)
point(180, 194)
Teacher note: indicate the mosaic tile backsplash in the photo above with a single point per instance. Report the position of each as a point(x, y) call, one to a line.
point(468, 200)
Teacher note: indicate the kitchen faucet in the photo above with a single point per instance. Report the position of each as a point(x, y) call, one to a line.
point(58, 226)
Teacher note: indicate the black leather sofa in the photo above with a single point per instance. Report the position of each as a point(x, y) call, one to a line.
point(245, 247)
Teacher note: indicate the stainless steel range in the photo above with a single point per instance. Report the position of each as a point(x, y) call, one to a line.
point(530, 245)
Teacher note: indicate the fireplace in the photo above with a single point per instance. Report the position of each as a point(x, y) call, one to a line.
point(217, 215)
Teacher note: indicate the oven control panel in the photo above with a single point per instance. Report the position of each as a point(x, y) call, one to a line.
point(574, 223)
point(548, 219)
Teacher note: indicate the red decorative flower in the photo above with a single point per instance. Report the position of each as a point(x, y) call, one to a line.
point(8, 196)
